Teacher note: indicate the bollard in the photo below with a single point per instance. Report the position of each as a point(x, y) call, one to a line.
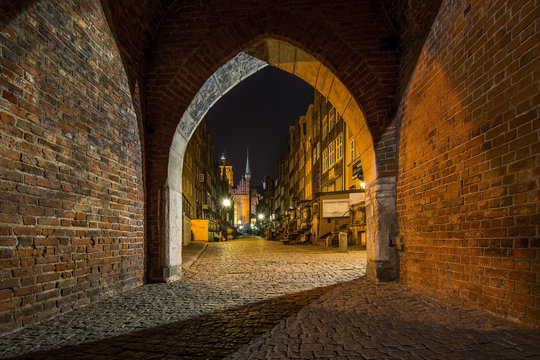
point(342, 241)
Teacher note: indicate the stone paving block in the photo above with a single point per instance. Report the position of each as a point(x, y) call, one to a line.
point(226, 306)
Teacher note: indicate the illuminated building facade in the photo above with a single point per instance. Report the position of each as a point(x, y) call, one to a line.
point(319, 182)
point(240, 196)
point(225, 166)
point(203, 186)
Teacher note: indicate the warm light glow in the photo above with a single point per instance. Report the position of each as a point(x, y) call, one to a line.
point(226, 202)
point(261, 216)
point(239, 222)
point(363, 185)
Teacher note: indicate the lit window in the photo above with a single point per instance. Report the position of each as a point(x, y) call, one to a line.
point(339, 147)
point(325, 160)
point(332, 156)
point(352, 149)
point(332, 121)
point(314, 155)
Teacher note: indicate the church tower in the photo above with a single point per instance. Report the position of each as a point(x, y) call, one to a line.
point(248, 172)
point(242, 199)
point(226, 171)
point(248, 180)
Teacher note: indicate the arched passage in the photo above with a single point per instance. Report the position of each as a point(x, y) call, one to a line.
point(380, 199)
point(186, 51)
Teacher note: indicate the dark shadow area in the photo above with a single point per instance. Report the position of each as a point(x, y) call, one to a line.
point(412, 20)
point(211, 336)
point(10, 9)
point(416, 332)
point(361, 319)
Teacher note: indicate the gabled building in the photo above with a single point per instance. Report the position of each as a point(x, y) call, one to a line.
point(319, 181)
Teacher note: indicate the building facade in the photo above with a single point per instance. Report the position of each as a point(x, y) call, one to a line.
point(203, 186)
point(319, 187)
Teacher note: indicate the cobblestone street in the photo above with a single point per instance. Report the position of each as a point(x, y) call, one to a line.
point(265, 269)
point(257, 299)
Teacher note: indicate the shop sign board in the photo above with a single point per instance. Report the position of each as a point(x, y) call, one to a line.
point(335, 208)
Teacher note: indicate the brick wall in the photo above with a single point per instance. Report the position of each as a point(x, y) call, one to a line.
point(469, 167)
point(71, 211)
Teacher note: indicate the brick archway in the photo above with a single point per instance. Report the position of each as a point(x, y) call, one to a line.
point(186, 51)
point(380, 195)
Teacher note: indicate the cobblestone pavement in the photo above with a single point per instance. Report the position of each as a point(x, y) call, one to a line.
point(262, 268)
point(242, 300)
point(366, 320)
point(213, 285)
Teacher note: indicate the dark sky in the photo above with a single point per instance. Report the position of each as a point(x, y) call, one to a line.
point(256, 114)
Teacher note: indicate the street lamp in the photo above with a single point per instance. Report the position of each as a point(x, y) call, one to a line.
point(226, 204)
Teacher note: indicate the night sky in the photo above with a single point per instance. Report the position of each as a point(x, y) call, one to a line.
point(256, 114)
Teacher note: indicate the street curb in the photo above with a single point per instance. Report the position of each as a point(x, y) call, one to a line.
point(186, 265)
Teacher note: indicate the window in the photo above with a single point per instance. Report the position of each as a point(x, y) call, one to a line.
point(325, 126)
point(332, 120)
point(332, 156)
point(352, 150)
point(314, 155)
point(339, 147)
point(325, 160)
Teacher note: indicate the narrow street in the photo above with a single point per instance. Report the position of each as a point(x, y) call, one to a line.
point(263, 269)
point(256, 299)
point(224, 290)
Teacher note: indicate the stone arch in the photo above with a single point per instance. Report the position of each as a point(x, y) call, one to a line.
point(192, 40)
point(294, 60)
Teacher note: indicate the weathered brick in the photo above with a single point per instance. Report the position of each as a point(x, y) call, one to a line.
point(496, 184)
point(9, 304)
point(46, 121)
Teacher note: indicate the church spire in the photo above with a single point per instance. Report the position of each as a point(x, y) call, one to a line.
point(248, 173)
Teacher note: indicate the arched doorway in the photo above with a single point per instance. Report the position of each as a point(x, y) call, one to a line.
point(380, 192)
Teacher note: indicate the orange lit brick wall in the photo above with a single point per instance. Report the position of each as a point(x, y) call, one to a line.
point(469, 169)
point(71, 210)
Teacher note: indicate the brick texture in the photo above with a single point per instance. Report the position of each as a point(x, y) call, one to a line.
point(469, 169)
point(81, 177)
point(72, 201)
